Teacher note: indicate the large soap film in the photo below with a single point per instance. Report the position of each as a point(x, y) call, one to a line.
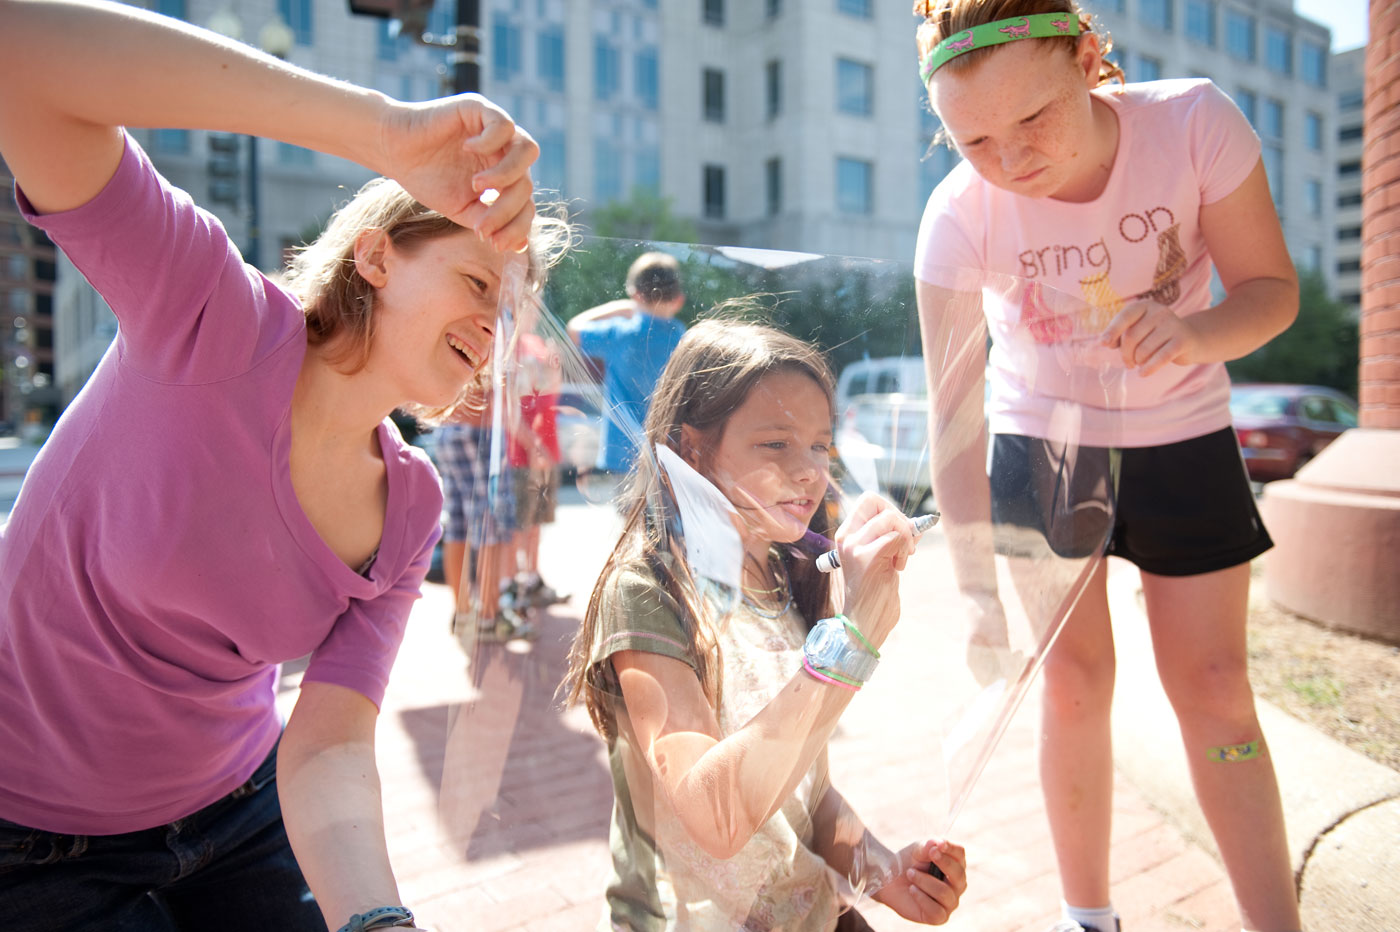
point(803, 404)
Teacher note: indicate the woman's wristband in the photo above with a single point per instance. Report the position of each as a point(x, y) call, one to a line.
point(385, 917)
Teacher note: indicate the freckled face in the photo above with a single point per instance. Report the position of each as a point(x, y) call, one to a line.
point(774, 457)
point(1023, 116)
point(436, 314)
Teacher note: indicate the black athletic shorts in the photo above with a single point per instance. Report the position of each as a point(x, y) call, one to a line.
point(1178, 509)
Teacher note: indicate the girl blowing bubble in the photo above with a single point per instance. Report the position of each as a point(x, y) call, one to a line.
point(1128, 197)
point(717, 716)
point(227, 492)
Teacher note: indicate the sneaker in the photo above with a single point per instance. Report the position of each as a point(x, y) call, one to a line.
point(1069, 925)
point(540, 594)
point(514, 617)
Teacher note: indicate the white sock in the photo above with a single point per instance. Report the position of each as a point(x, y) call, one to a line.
point(1104, 919)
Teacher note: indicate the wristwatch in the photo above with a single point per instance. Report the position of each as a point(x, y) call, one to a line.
point(831, 647)
point(385, 917)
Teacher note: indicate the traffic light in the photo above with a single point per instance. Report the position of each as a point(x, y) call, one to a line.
point(412, 13)
point(224, 173)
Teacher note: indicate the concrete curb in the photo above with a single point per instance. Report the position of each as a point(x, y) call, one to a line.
point(1343, 809)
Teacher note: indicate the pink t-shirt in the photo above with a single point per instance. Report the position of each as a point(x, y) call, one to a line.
point(157, 564)
point(1181, 144)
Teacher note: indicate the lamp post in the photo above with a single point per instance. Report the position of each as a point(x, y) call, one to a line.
point(276, 38)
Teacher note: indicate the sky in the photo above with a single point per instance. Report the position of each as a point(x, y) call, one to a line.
point(1346, 18)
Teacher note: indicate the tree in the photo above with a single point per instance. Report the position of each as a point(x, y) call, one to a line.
point(1321, 348)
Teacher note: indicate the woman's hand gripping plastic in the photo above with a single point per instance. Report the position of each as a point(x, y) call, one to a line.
point(465, 157)
point(919, 894)
point(874, 542)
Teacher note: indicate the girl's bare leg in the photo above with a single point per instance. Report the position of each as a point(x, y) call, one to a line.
point(1198, 637)
point(1076, 748)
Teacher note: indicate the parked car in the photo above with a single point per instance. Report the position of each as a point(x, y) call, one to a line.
point(1281, 427)
point(885, 375)
point(882, 443)
point(579, 422)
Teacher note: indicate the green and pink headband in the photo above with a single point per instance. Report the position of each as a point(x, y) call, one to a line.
point(1035, 26)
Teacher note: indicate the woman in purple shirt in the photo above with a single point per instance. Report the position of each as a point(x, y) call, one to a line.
point(227, 491)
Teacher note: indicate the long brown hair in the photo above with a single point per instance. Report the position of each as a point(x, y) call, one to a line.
point(944, 18)
point(713, 370)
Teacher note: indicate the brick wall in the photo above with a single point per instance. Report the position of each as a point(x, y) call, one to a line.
point(1380, 226)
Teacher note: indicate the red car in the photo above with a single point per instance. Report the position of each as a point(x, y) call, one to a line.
point(1281, 427)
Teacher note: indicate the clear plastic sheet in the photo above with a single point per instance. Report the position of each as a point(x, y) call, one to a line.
point(695, 571)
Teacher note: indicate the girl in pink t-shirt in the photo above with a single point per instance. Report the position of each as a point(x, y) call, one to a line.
point(1126, 197)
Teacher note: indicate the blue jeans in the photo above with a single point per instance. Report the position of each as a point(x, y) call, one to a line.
point(227, 867)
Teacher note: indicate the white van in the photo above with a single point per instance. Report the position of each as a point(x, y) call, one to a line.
point(886, 375)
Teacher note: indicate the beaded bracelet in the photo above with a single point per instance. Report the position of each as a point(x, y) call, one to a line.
point(835, 679)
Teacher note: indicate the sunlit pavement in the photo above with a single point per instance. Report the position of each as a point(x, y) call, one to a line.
point(514, 837)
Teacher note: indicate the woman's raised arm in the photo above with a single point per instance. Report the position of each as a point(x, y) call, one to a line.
point(75, 71)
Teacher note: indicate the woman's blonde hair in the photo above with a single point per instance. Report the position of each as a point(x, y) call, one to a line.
point(339, 304)
point(944, 18)
point(708, 377)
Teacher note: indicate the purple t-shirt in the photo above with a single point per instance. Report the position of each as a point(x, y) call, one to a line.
point(157, 564)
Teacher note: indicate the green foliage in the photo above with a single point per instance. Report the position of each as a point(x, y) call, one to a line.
point(852, 308)
point(1321, 348)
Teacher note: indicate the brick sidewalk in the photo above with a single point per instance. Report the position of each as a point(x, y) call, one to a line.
point(518, 840)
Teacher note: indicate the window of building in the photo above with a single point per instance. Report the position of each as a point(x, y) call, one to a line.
point(773, 186)
point(1312, 130)
point(859, 8)
point(1348, 233)
point(714, 192)
point(605, 69)
point(607, 171)
point(773, 8)
point(549, 168)
point(853, 185)
point(1271, 119)
point(713, 90)
point(1273, 166)
point(1278, 50)
point(1351, 100)
point(171, 8)
point(855, 87)
point(171, 141)
point(1313, 257)
point(1156, 13)
point(505, 50)
point(1350, 199)
point(712, 12)
point(549, 50)
point(1246, 101)
point(1239, 34)
point(1347, 169)
point(773, 88)
point(1312, 62)
point(1148, 68)
point(1312, 197)
point(1350, 133)
point(646, 78)
point(297, 14)
point(647, 173)
point(1347, 266)
point(935, 162)
point(1200, 21)
point(386, 40)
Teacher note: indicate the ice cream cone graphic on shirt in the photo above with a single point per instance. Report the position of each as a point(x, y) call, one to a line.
point(1171, 265)
point(1103, 301)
